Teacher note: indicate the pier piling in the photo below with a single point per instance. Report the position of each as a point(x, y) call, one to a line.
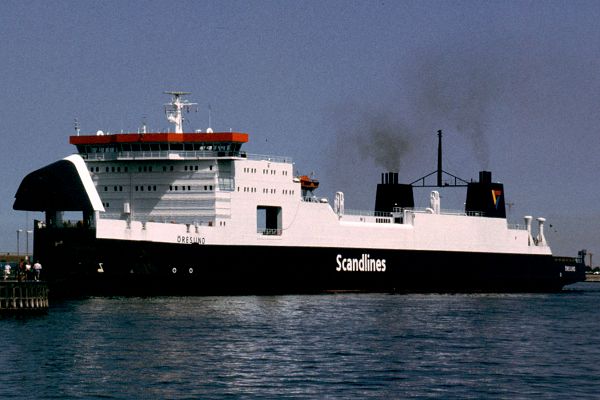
point(23, 296)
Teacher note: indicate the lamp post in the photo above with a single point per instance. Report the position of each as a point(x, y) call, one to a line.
point(27, 243)
point(18, 232)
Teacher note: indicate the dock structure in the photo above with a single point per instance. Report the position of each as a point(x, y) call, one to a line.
point(592, 278)
point(23, 296)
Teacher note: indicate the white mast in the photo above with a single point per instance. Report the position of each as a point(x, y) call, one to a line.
point(174, 109)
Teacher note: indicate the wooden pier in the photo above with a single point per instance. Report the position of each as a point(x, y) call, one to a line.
point(18, 297)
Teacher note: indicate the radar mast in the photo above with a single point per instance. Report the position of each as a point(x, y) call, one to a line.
point(173, 110)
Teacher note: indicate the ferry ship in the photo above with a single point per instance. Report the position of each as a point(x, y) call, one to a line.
point(193, 213)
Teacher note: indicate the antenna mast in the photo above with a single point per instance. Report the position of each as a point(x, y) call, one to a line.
point(440, 172)
point(439, 163)
point(77, 128)
point(174, 109)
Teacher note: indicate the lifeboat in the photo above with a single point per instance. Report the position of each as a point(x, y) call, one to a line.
point(308, 183)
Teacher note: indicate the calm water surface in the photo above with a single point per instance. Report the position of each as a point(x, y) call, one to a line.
point(518, 346)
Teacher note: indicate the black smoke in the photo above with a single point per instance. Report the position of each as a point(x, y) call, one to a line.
point(455, 88)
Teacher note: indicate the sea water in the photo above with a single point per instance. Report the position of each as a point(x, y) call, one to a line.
point(479, 346)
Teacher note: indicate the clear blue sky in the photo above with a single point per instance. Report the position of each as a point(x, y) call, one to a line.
point(348, 89)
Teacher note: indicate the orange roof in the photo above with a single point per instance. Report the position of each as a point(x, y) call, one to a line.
point(236, 137)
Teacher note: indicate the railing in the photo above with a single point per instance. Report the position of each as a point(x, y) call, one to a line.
point(21, 275)
point(314, 199)
point(367, 213)
point(262, 157)
point(423, 210)
point(269, 232)
point(417, 210)
point(65, 224)
point(180, 154)
point(517, 227)
point(161, 154)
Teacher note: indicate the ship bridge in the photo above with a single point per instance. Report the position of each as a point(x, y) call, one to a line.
point(171, 145)
point(130, 146)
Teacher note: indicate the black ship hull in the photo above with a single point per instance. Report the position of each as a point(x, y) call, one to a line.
point(75, 263)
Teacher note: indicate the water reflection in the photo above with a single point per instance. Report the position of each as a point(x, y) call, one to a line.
point(343, 345)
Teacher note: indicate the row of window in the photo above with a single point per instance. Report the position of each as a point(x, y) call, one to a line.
point(193, 168)
point(152, 188)
point(273, 172)
point(174, 188)
point(265, 190)
point(264, 171)
point(183, 187)
point(127, 147)
point(147, 168)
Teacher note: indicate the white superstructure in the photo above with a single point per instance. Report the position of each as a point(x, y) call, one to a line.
point(201, 188)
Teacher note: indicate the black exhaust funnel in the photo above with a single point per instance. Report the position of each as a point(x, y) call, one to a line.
point(391, 194)
point(485, 197)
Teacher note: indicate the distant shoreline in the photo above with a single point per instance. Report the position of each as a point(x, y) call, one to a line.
point(13, 258)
